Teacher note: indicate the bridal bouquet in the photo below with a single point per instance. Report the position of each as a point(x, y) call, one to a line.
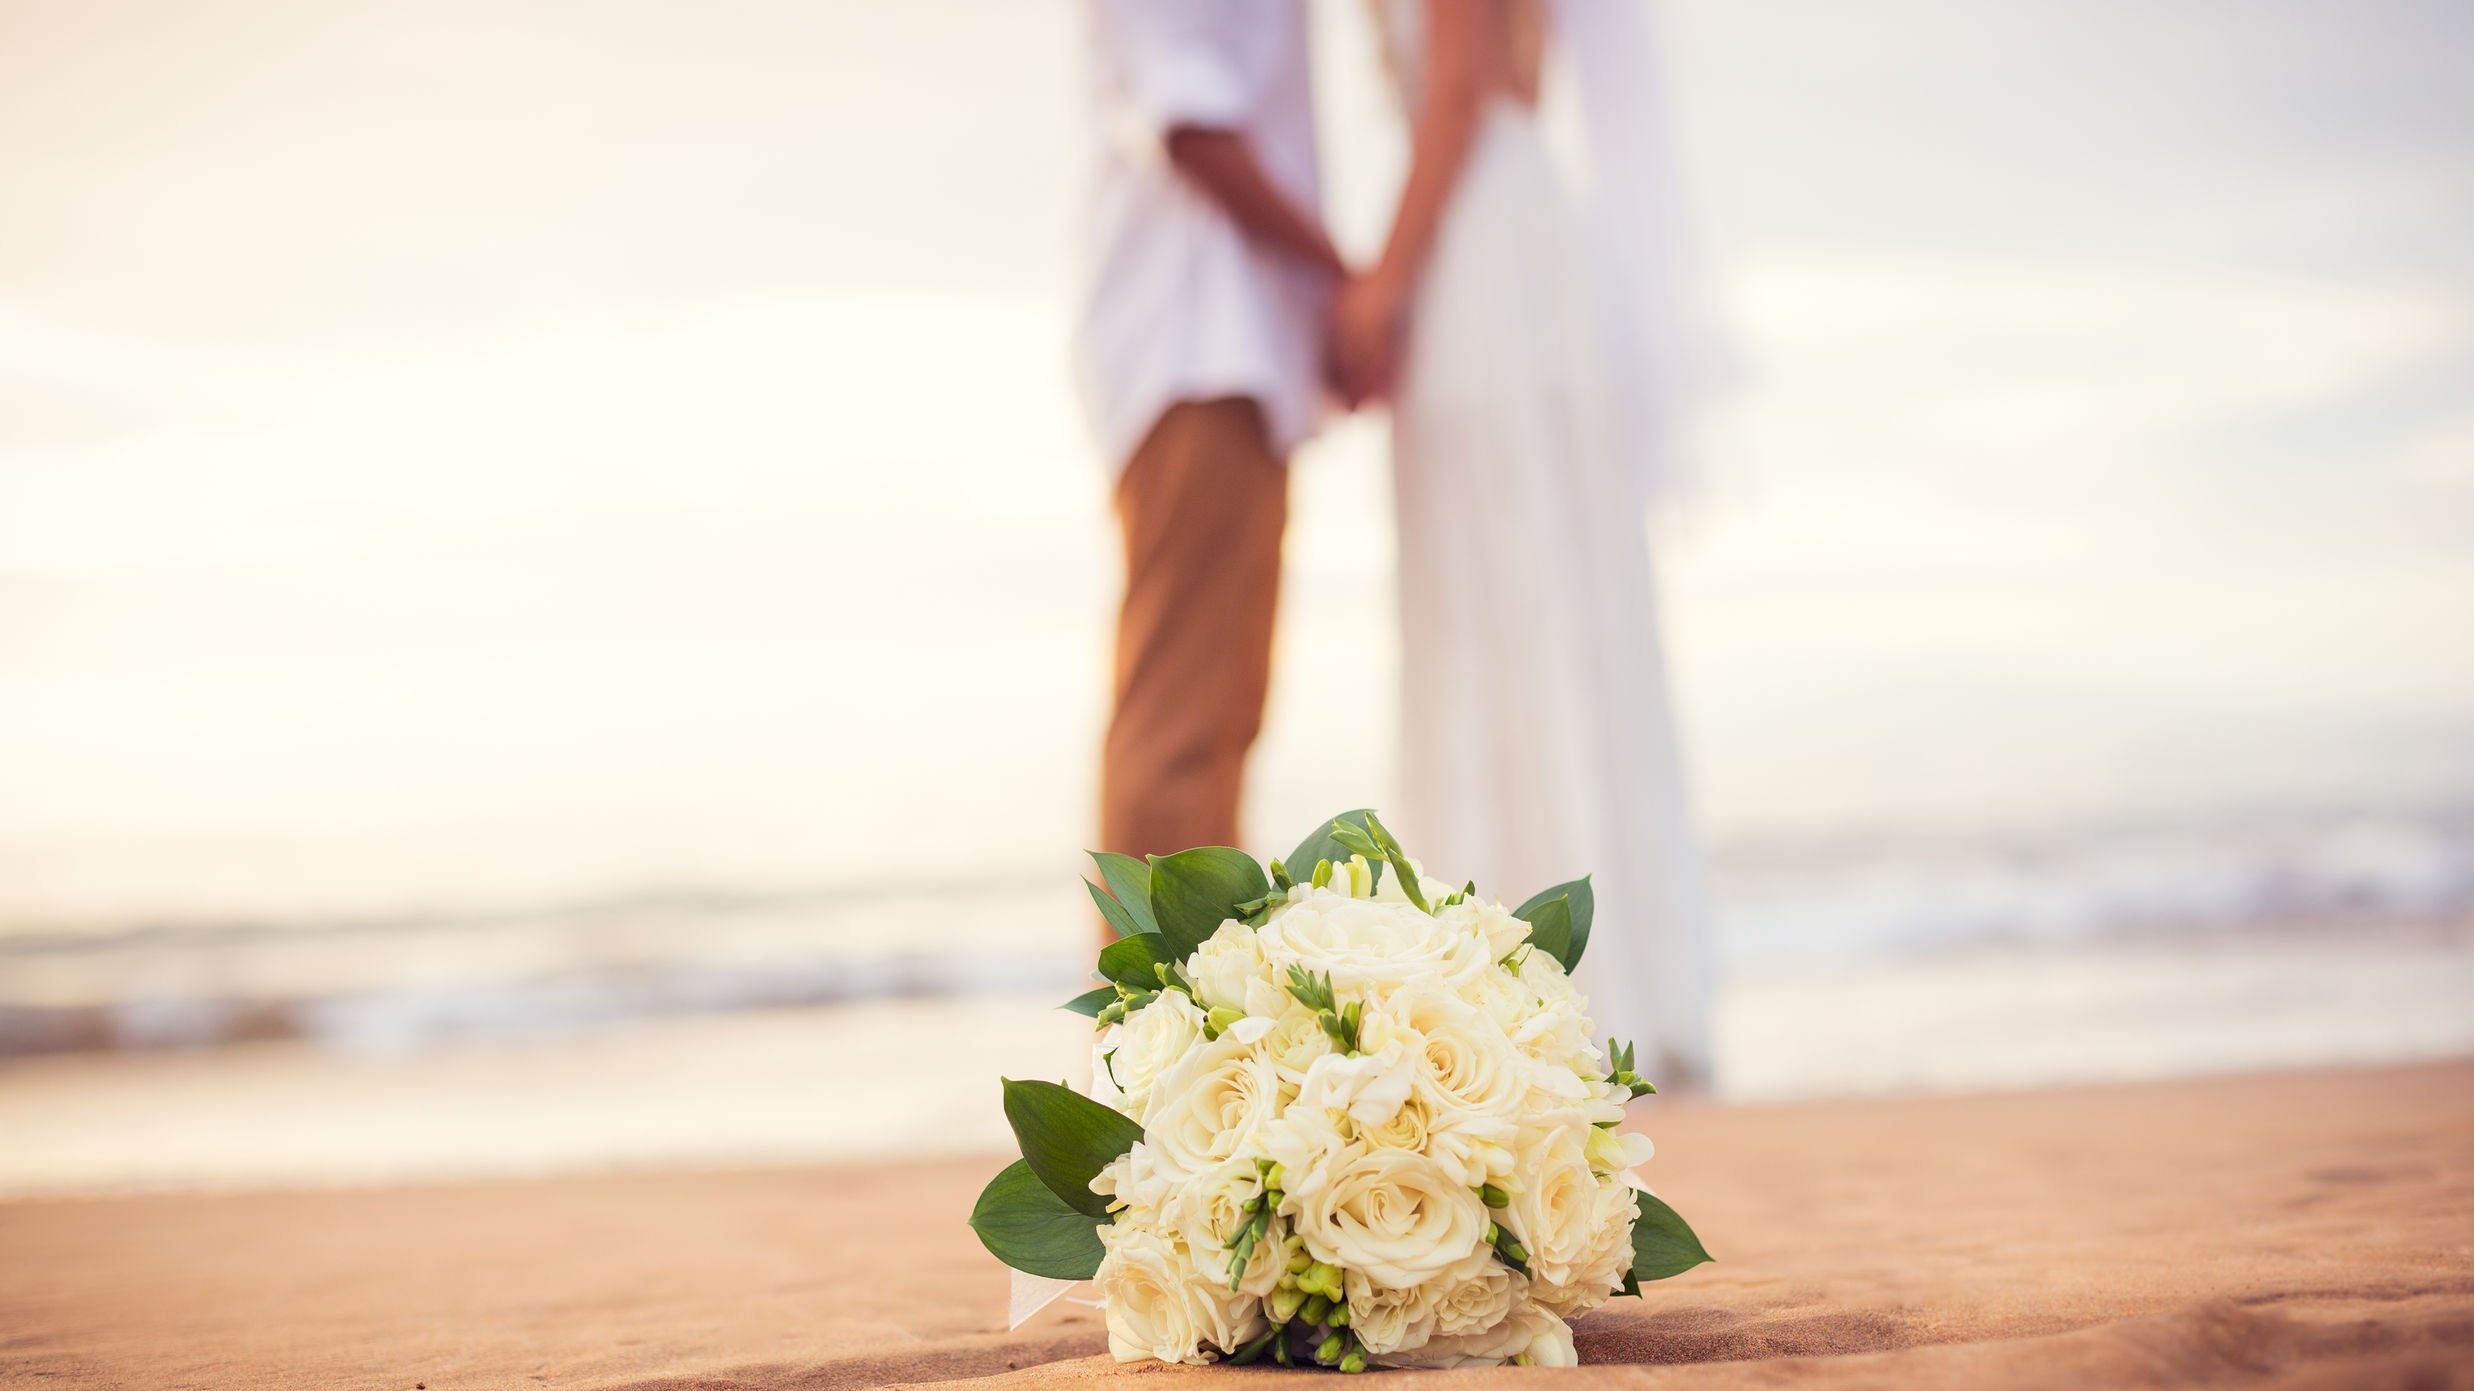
point(1339, 1117)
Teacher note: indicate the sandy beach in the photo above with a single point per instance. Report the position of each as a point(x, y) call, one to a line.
point(2284, 1230)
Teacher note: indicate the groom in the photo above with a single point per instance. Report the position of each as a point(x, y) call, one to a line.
point(1198, 352)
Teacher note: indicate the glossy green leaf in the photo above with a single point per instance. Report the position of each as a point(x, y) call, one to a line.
point(1130, 880)
point(1135, 960)
point(1662, 1244)
point(1320, 845)
point(1194, 891)
point(1027, 1227)
point(1559, 920)
point(1120, 921)
point(1091, 1002)
point(1067, 1138)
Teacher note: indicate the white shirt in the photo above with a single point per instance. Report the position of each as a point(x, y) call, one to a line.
point(1179, 306)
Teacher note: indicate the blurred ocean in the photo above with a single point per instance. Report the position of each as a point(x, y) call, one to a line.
point(399, 983)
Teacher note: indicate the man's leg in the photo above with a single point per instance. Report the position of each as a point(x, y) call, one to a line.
point(1202, 504)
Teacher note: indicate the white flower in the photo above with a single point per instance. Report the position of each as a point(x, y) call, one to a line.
point(1224, 964)
point(1469, 1079)
point(1558, 1034)
point(1389, 1318)
point(1556, 1212)
point(1311, 1143)
point(1409, 1128)
point(1504, 997)
point(1142, 1279)
point(1153, 1041)
point(1395, 1216)
point(1295, 1041)
point(1369, 1086)
point(1207, 1212)
point(1492, 921)
point(1460, 1073)
point(1465, 1063)
point(1211, 1106)
point(1528, 1334)
point(1614, 1151)
point(1476, 1296)
point(1599, 1269)
point(1367, 945)
point(1471, 1297)
point(1134, 1179)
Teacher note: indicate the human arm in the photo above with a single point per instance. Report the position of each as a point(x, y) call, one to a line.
point(1222, 164)
point(1463, 39)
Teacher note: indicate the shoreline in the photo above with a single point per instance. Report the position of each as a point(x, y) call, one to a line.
point(904, 1078)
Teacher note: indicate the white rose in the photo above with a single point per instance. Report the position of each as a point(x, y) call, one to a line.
point(1470, 1081)
point(1555, 1209)
point(1143, 1278)
point(1549, 1339)
point(1396, 1216)
point(1152, 1042)
point(1209, 1210)
point(1211, 1107)
point(1528, 1334)
point(1600, 1269)
point(1408, 1128)
point(1465, 1063)
point(1366, 945)
point(1387, 1318)
point(1471, 1297)
point(1476, 1296)
point(1223, 966)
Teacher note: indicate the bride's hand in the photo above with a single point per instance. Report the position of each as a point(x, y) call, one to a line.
point(1363, 342)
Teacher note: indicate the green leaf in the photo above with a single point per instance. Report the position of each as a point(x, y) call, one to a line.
point(1120, 921)
point(1550, 925)
point(1194, 891)
point(1027, 1227)
point(1067, 1138)
point(1320, 845)
point(1559, 918)
point(1662, 1245)
point(1132, 960)
point(1091, 1002)
point(1129, 879)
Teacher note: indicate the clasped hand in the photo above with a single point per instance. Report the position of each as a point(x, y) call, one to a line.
point(1362, 338)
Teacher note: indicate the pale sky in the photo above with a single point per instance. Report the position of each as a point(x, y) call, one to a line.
point(470, 453)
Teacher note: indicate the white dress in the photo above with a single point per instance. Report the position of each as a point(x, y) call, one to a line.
point(1537, 740)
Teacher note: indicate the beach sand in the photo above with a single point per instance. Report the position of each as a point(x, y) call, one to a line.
point(2280, 1230)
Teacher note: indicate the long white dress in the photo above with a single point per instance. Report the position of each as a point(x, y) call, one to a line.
point(1537, 739)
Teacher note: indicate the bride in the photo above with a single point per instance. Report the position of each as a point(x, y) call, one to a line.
point(1532, 380)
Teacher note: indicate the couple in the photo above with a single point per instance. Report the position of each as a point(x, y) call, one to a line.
point(1517, 339)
